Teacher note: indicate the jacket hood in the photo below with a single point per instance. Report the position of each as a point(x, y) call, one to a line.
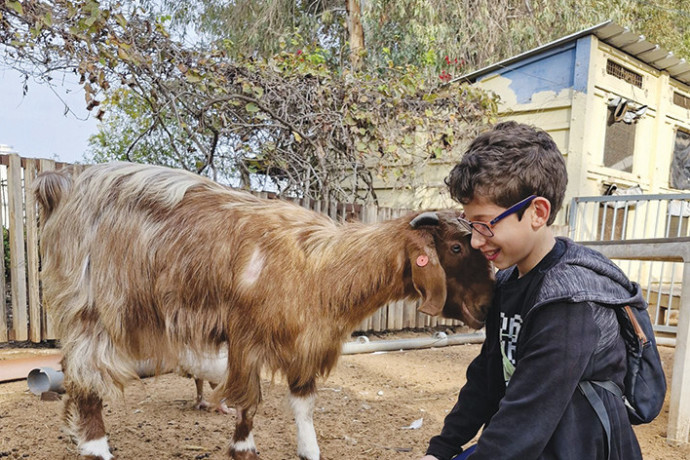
point(585, 275)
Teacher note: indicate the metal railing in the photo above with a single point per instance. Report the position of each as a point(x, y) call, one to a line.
point(639, 217)
point(629, 217)
point(675, 250)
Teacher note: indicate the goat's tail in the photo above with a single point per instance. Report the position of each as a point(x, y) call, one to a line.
point(50, 188)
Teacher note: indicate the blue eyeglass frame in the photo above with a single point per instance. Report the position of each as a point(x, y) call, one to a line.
point(484, 228)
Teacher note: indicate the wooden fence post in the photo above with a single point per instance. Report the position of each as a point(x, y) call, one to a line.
point(35, 320)
point(333, 210)
point(3, 304)
point(17, 259)
point(410, 314)
point(395, 309)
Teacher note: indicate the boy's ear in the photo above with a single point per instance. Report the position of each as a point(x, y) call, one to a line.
point(542, 211)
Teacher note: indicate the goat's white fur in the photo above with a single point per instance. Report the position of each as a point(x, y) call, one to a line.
point(96, 448)
point(303, 410)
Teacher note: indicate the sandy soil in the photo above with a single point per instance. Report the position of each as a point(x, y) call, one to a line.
point(362, 412)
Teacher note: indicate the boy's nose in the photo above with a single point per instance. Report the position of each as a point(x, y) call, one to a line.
point(477, 240)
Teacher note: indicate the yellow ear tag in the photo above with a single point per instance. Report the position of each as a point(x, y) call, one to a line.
point(422, 260)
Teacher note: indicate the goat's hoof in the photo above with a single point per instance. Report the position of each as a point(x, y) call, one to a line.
point(244, 455)
point(223, 409)
point(311, 457)
point(202, 405)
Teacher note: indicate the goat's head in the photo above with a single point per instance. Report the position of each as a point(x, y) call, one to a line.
point(455, 281)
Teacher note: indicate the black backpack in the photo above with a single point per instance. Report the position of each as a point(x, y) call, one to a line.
point(645, 382)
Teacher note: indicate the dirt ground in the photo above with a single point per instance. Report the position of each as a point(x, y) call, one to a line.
point(364, 411)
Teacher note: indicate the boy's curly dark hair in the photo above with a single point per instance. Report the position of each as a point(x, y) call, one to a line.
point(509, 163)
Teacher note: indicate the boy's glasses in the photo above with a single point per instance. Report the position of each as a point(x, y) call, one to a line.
point(484, 228)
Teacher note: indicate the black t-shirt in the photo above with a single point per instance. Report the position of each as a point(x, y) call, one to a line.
point(516, 297)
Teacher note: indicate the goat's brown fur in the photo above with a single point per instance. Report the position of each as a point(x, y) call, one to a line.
point(141, 261)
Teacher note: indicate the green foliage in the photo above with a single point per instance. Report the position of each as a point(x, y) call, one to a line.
point(265, 27)
point(293, 117)
point(331, 124)
point(423, 32)
point(484, 32)
point(127, 132)
point(266, 87)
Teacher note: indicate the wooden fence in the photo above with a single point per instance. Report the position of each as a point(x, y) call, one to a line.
point(23, 317)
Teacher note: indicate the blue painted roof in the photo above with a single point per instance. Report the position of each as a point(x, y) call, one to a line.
point(551, 70)
point(609, 33)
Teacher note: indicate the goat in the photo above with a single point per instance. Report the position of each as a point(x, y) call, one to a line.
point(145, 259)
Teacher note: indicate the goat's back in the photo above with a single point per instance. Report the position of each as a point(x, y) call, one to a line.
point(163, 257)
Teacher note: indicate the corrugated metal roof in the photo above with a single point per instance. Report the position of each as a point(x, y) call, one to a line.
point(611, 34)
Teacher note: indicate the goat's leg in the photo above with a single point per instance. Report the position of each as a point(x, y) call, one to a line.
point(84, 417)
point(243, 447)
point(246, 389)
point(222, 408)
point(201, 403)
point(302, 399)
point(93, 368)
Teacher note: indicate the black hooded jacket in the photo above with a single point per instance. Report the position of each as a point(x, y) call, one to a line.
point(546, 332)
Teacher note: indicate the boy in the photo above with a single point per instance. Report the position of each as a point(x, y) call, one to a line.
point(549, 326)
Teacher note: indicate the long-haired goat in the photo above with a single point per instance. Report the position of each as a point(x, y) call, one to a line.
point(140, 262)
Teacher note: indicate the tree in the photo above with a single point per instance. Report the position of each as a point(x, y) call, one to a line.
point(264, 27)
point(289, 117)
point(268, 88)
point(356, 33)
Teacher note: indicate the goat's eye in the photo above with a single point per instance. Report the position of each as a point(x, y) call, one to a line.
point(456, 248)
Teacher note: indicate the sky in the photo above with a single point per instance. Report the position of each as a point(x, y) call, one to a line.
point(35, 125)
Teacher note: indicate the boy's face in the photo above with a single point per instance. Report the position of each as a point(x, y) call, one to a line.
point(516, 241)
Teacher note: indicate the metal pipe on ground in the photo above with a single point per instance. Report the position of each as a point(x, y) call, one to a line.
point(44, 370)
point(18, 369)
point(439, 339)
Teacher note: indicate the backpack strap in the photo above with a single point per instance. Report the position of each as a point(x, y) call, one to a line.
point(610, 386)
point(636, 326)
point(597, 404)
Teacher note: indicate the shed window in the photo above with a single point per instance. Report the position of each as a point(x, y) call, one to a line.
point(618, 71)
point(619, 144)
point(680, 164)
point(681, 100)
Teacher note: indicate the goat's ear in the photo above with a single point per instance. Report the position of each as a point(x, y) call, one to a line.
point(429, 280)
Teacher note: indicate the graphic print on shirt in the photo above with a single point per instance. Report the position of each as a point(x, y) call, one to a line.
point(510, 331)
